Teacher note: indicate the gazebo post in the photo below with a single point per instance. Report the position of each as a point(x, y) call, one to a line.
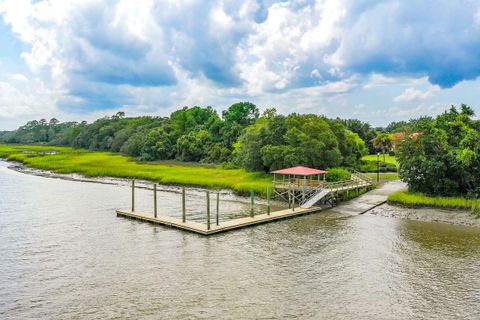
point(295, 186)
point(303, 188)
point(289, 195)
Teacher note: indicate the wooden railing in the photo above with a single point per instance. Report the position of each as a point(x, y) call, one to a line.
point(287, 183)
point(362, 176)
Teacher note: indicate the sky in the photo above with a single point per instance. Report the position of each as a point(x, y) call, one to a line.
point(378, 61)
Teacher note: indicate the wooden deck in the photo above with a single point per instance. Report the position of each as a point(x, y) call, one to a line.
point(233, 224)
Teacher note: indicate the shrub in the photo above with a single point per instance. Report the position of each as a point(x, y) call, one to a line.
point(371, 166)
point(337, 174)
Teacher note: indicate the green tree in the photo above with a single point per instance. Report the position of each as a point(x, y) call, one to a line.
point(383, 143)
point(443, 159)
point(194, 146)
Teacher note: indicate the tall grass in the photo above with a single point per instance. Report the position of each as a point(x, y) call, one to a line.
point(420, 200)
point(105, 164)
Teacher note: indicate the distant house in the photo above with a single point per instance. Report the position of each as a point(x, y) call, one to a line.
point(399, 136)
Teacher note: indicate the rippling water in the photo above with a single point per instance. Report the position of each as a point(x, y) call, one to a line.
point(65, 255)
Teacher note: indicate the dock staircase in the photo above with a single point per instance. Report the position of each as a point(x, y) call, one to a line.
point(328, 190)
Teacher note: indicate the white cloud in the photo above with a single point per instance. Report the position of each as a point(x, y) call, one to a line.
point(25, 99)
point(378, 80)
point(422, 109)
point(158, 55)
point(412, 94)
point(19, 77)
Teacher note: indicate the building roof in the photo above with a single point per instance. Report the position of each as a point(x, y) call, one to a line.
point(300, 171)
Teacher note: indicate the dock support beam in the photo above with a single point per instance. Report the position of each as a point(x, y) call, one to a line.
point(289, 195)
point(218, 209)
point(155, 200)
point(184, 214)
point(252, 214)
point(133, 195)
point(268, 201)
point(208, 210)
point(293, 198)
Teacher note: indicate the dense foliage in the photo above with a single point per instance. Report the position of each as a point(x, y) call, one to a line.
point(411, 126)
point(240, 136)
point(444, 157)
point(277, 141)
point(364, 131)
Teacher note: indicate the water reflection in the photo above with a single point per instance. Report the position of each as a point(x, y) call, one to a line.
point(459, 241)
point(66, 255)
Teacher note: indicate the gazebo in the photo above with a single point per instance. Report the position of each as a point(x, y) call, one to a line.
point(297, 181)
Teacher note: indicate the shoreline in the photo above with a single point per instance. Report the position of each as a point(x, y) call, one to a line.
point(426, 214)
point(19, 167)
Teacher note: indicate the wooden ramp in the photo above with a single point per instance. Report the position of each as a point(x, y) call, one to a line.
point(233, 224)
point(324, 192)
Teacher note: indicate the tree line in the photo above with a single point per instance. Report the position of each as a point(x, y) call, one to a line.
point(437, 156)
point(240, 137)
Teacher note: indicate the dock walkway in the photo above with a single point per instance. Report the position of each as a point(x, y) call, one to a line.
point(201, 228)
point(370, 200)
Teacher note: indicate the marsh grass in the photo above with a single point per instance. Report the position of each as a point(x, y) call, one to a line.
point(476, 210)
point(105, 164)
point(411, 199)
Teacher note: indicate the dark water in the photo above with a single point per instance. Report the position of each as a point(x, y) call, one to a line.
point(65, 255)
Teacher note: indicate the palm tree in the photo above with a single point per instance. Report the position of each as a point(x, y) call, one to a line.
point(382, 142)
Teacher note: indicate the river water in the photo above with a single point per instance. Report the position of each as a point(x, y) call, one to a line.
point(65, 255)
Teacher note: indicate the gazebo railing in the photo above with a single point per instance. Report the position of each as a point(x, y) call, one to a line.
point(298, 183)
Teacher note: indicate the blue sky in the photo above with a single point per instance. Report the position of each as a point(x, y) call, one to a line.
point(378, 61)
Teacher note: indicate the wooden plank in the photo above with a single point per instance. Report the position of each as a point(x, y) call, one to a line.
point(233, 224)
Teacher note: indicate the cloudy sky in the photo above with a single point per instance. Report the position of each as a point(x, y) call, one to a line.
point(375, 60)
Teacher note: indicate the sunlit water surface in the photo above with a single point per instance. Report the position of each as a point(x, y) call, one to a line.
point(65, 255)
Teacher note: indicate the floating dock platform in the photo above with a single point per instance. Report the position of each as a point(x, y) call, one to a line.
point(232, 224)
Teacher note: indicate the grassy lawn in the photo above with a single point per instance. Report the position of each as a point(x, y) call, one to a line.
point(388, 158)
point(384, 176)
point(420, 200)
point(105, 164)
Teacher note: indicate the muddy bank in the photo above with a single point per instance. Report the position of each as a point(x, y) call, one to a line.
point(458, 217)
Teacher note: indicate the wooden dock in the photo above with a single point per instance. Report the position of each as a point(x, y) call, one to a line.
point(308, 201)
point(233, 224)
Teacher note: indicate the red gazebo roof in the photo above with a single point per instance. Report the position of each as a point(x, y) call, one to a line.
point(300, 171)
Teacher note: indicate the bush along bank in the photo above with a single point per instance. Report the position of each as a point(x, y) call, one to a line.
point(412, 199)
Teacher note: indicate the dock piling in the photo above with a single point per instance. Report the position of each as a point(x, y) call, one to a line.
point(133, 195)
point(293, 200)
point(218, 209)
point(252, 214)
point(289, 195)
point(268, 201)
point(208, 210)
point(184, 215)
point(155, 200)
